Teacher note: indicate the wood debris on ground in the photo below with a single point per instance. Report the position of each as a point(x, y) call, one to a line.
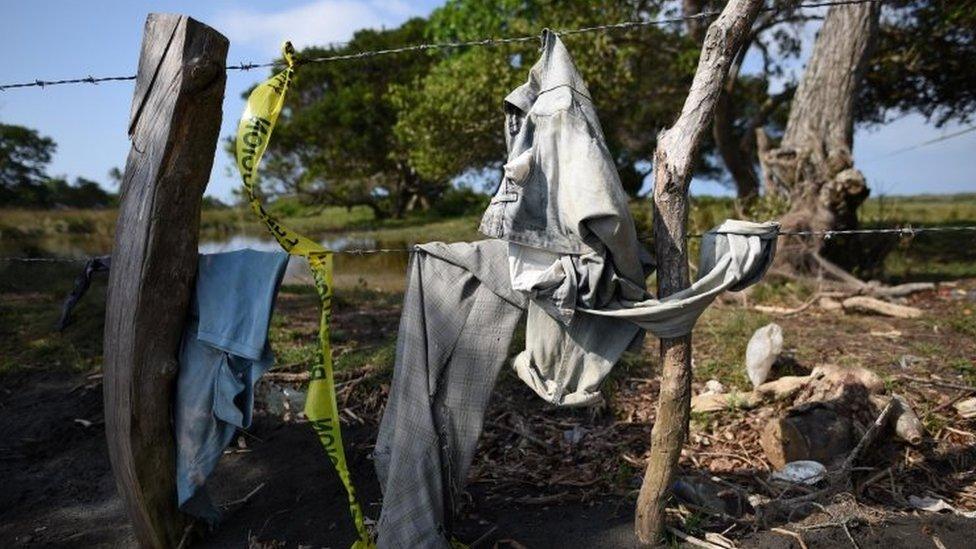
point(533, 454)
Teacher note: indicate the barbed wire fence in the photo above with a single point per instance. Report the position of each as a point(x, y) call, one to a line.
point(492, 42)
point(483, 42)
point(826, 235)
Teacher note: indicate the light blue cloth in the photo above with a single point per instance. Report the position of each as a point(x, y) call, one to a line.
point(224, 351)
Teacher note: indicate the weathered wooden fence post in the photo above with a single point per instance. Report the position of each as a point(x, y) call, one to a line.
point(173, 126)
point(674, 160)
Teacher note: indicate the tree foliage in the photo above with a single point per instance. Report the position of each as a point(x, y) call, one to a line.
point(24, 157)
point(395, 131)
point(924, 62)
point(452, 118)
point(334, 143)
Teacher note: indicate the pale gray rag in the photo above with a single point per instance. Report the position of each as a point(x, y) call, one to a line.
point(459, 314)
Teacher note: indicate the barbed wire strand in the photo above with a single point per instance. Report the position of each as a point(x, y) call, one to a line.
point(485, 42)
point(933, 141)
point(902, 231)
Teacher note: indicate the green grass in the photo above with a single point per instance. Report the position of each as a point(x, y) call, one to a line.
point(920, 209)
point(33, 292)
point(722, 336)
point(359, 221)
point(18, 223)
point(379, 357)
point(779, 291)
point(966, 368)
point(448, 230)
point(30, 304)
point(295, 349)
point(295, 340)
point(927, 256)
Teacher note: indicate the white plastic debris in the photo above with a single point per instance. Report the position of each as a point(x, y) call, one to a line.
point(932, 505)
point(936, 505)
point(281, 401)
point(801, 472)
point(966, 408)
point(714, 386)
point(762, 351)
point(574, 435)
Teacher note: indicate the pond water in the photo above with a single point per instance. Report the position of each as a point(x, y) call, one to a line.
point(384, 271)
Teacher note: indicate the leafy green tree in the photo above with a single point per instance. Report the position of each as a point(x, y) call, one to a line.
point(451, 119)
point(334, 144)
point(393, 132)
point(24, 157)
point(924, 62)
point(83, 193)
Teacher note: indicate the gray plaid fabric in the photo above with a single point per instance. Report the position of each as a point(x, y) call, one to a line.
point(565, 362)
point(459, 314)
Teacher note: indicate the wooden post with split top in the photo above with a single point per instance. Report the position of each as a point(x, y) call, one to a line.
point(174, 125)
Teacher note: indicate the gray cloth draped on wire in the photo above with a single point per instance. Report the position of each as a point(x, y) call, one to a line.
point(566, 359)
point(572, 243)
point(565, 248)
point(459, 314)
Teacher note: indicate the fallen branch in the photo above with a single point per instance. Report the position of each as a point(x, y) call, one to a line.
point(869, 288)
point(794, 535)
point(839, 273)
point(246, 498)
point(483, 537)
point(869, 436)
point(692, 540)
point(287, 377)
point(902, 289)
point(770, 309)
point(863, 304)
point(940, 383)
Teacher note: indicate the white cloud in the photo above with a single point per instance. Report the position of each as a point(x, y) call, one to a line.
point(316, 23)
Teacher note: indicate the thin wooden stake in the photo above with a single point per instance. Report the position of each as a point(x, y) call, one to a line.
point(674, 160)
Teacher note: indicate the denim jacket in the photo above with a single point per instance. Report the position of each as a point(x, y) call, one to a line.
point(572, 244)
point(560, 191)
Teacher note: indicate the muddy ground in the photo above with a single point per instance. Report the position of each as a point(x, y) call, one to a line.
point(543, 477)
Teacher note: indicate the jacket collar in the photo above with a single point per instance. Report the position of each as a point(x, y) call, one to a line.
point(554, 69)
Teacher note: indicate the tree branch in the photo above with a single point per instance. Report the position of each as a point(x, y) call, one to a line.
point(674, 158)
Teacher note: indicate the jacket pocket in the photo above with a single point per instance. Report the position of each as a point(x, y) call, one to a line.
point(519, 168)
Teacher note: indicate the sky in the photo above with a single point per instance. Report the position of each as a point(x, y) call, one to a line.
point(47, 40)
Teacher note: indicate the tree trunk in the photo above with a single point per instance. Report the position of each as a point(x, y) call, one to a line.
point(730, 147)
point(734, 150)
point(674, 158)
point(696, 27)
point(813, 164)
point(380, 213)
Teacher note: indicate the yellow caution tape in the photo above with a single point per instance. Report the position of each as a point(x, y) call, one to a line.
point(253, 133)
